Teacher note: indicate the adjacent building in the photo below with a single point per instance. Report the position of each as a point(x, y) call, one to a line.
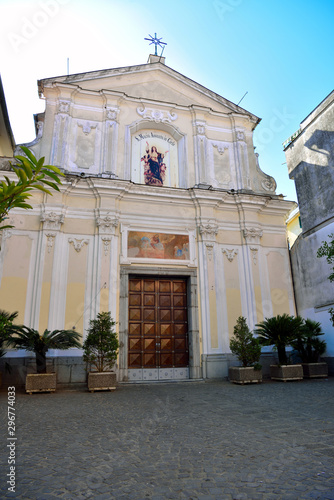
point(310, 159)
point(7, 142)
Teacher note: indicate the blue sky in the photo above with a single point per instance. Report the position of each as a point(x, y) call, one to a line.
point(280, 52)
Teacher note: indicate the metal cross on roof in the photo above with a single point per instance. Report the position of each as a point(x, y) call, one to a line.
point(156, 42)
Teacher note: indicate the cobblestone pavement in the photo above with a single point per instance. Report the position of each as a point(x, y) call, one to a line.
point(188, 440)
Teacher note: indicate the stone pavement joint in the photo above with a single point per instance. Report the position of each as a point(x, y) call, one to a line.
point(198, 441)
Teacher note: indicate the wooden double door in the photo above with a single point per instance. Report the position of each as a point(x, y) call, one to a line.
point(158, 326)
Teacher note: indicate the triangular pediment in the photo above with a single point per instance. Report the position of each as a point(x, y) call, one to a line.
point(155, 82)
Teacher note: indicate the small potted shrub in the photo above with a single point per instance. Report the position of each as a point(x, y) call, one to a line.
point(6, 328)
point(31, 340)
point(280, 332)
point(309, 349)
point(100, 352)
point(248, 350)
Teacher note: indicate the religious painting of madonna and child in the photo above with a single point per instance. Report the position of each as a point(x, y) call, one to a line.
point(143, 245)
point(154, 159)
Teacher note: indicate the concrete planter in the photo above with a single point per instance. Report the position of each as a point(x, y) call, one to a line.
point(244, 375)
point(101, 381)
point(286, 373)
point(41, 382)
point(315, 370)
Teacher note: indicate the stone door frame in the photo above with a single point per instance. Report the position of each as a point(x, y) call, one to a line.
point(195, 371)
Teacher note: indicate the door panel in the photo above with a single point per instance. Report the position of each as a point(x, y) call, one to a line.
point(149, 286)
point(149, 300)
point(148, 315)
point(149, 330)
point(134, 314)
point(166, 330)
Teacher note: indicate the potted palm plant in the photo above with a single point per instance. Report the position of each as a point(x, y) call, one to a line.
point(248, 350)
point(280, 331)
point(29, 339)
point(6, 328)
point(100, 352)
point(309, 349)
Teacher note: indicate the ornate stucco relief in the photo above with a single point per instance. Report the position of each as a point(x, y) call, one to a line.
point(221, 156)
point(200, 127)
point(84, 146)
point(269, 184)
point(106, 243)
point(50, 240)
point(252, 235)
point(87, 126)
point(78, 244)
point(209, 250)
point(52, 220)
point(156, 115)
point(230, 253)
point(208, 231)
point(221, 149)
point(240, 135)
point(254, 252)
point(64, 106)
point(112, 113)
point(107, 224)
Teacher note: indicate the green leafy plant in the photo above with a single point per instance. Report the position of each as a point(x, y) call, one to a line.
point(6, 329)
point(244, 345)
point(32, 174)
point(331, 313)
point(101, 344)
point(327, 250)
point(279, 331)
point(31, 340)
point(307, 344)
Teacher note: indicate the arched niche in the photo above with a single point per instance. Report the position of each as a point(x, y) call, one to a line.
point(168, 141)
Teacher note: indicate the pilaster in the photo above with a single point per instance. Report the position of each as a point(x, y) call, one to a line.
point(208, 272)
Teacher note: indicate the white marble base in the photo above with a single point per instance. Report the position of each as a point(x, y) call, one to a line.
point(146, 374)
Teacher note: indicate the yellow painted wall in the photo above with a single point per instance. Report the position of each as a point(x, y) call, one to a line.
point(77, 226)
point(13, 291)
point(46, 288)
point(75, 291)
point(45, 304)
point(104, 300)
point(279, 280)
point(213, 318)
point(233, 296)
point(13, 294)
point(212, 301)
point(257, 288)
point(293, 229)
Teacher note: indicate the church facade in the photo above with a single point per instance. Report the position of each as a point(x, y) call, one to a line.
point(164, 218)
